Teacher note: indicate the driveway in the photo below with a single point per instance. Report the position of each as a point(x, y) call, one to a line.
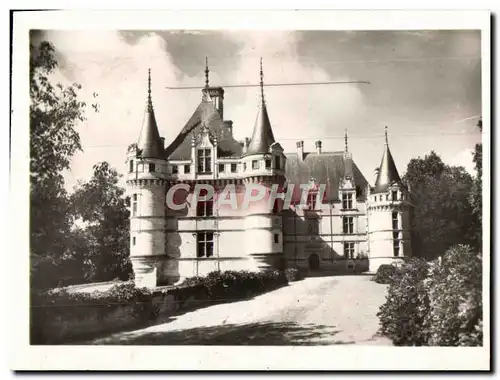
point(314, 311)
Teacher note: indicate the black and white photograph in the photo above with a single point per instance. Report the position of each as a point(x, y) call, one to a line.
point(224, 188)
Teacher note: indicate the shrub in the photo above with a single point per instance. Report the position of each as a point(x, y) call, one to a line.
point(384, 274)
point(406, 306)
point(455, 297)
point(292, 274)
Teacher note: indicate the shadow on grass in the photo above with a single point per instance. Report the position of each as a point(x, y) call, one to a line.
point(260, 334)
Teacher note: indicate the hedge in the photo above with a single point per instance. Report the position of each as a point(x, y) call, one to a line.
point(436, 303)
point(59, 316)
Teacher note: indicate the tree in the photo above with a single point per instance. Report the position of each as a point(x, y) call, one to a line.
point(54, 114)
point(477, 190)
point(101, 205)
point(442, 214)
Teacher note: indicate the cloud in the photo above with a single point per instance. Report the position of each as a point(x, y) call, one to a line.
point(464, 158)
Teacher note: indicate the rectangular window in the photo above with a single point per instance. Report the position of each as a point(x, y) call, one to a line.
point(394, 195)
point(244, 166)
point(204, 160)
point(205, 208)
point(396, 248)
point(276, 163)
point(133, 240)
point(175, 169)
point(187, 169)
point(222, 168)
point(134, 204)
point(348, 224)
point(152, 168)
point(205, 242)
point(276, 238)
point(349, 250)
point(268, 164)
point(347, 201)
point(234, 168)
point(311, 201)
point(131, 166)
point(255, 164)
point(395, 222)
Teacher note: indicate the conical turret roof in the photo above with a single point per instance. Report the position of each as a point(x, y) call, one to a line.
point(262, 137)
point(150, 143)
point(387, 174)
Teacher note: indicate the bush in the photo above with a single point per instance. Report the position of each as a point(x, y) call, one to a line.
point(292, 274)
point(454, 288)
point(384, 274)
point(437, 303)
point(402, 315)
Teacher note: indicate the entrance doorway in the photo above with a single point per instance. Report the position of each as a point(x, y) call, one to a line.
point(313, 261)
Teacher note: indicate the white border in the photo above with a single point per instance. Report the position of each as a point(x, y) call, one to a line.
point(27, 357)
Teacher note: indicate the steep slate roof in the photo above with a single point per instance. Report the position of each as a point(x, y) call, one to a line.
point(150, 143)
point(388, 174)
point(263, 136)
point(205, 114)
point(326, 169)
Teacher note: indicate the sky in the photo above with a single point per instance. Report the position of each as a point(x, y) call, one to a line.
point(425, 86)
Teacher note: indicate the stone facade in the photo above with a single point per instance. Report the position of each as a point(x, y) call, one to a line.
point(351, 226)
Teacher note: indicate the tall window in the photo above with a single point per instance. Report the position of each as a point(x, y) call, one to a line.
point(396, 247)
point(349, 250)
point(205, 242)
point(134, 204)
point(244, 166)
point(131, 166)
point(276, 238)
point(275, 207)
point(187, 169)
point(234, 168)
point(222, 168)
point(277, 163)
point(255, 164)
point(133, 240)
point(204, 160)
point(205, 208)
point(347, 201)
point(394, 195)
point(175, 169)
point(311, 201)
point(268, 164)
point(395, 222)
point(152, 168)
point(348, 224)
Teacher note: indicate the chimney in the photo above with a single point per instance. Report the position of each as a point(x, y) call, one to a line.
point(216, 95)
point(227, 130)
point(300, 150)
point(317, 144)
point(162, 142)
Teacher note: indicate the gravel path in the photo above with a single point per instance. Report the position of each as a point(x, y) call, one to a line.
point(314, 311)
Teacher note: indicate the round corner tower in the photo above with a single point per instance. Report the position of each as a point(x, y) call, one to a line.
point(388, 209)
point(146, 186)
point(264, 166)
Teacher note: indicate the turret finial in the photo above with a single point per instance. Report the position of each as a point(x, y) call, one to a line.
point(150, 103)
point(386, 139)
point(262, 82)
point(345, 138)
point(206, 72)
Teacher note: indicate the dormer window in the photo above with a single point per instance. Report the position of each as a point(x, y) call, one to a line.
point(394, 195)
point(255, 165)
point(268, 164)
point(347, 201)
point(152, 168)
point(311, 201)
point(204, 160)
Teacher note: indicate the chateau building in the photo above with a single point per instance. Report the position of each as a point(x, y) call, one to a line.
point(336, 221)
